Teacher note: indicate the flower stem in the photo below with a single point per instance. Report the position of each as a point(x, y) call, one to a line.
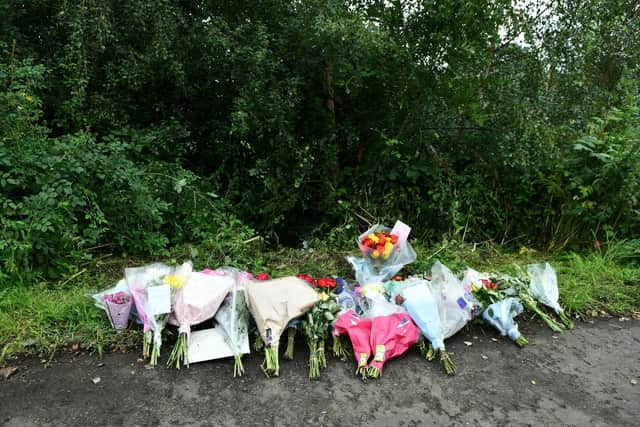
point(431, 353)
point(288, 354)
point(314, 364)
point(338, 348)
point(271, 361)
point(564, 317)
point(146, 344)
point(374, 372)
point(257, 343)
point(531, 305)
point(363, 372)
point(449, 367)
point(238, 367)
point(322, 358)
point(521, 341)
point(180, 353)
point(422, 348)
point(155, 352)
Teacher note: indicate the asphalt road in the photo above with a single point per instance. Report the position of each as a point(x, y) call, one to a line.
point(588, 376)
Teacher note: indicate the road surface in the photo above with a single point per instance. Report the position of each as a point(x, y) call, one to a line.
point(588, 376)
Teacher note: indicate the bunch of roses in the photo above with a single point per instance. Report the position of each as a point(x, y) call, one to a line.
point(322, 282)
point(117, 298)
point(379, 244)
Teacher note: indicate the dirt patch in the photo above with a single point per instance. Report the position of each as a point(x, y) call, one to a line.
point(582, 377)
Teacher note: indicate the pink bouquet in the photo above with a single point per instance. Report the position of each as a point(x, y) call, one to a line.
point(118, 307)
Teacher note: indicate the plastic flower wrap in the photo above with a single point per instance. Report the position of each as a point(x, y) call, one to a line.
point(273, 303)
point(233, 318)
point(519, 286)
point(323, 283)
point(117, 314)
point(391, 335)
point(544, 288)
point(197, 300)
point(358, 329)
point(382, 258)
point(422, 306)
point(154, 288)
point(118, 307)
point(455, 305)
point(501, 316)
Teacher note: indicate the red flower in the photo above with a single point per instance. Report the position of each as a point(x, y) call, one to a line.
point(485, 282)
point(493, 286)
point(394, 239)
point(307, 279)
point(262, 276)
point(326, 282)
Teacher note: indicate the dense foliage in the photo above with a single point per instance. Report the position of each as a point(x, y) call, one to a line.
point(140, 125)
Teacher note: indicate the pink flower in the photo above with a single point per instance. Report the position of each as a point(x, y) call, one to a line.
point(119, 297)
point(246, 275)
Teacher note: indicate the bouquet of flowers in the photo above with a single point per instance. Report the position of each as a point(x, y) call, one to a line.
point(385, 252)
point(273, 304)
point(324, 283)
point(499, 310)
point(391, 336)
point(233, 318)
point(316, 330)
point(422, 306)
point(392, 332)
point(544, 287)
point(118, 307)
point(154, 288)
point(197, 300)
point(359, 331)
point(518, 286)
point(500, 315)
point(455, 305)
point(378, 245)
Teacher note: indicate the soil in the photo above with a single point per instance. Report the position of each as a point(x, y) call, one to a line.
point(588, 376)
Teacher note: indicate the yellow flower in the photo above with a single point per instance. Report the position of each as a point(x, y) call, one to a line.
point(474, 288)
point(373, 238)
point(375, 254)
point(176, 282)
point(323, 296)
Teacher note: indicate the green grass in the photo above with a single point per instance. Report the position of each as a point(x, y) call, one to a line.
point(43, 318)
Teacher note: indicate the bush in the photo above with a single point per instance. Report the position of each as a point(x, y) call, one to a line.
point(62, 197)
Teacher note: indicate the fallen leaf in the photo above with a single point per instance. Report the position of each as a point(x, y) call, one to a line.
point(494, 339)
point(7, 372)
point(100, 365)
point(468, 343)
point(634, 382)
point(484, 357)
point(533, 382)
point(96, 380)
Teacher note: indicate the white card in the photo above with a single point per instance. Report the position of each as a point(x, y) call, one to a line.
point(159, 299)
point(401, 230)
point(209, 344)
